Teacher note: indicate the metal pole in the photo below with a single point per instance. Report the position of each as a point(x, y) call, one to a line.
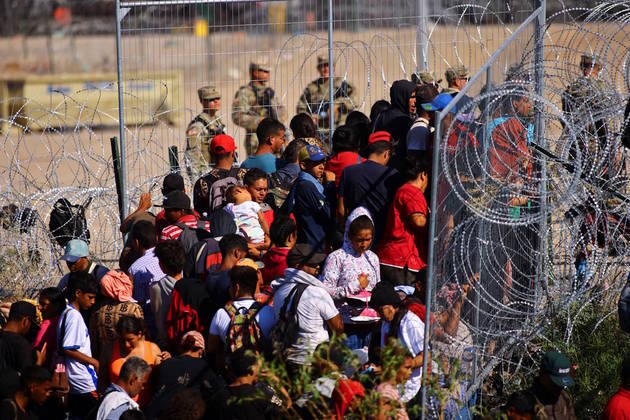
point(116, 164)
point(121, 112)
point(432, 242)
point(421, 46)
point(331, 74)
point(539, 130)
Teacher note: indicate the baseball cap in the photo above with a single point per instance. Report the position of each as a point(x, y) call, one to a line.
point(312, 153)
point(24, 309)
point(172, 182)
point(558, 366)
point(177, 200)
point(379, 136)
point(222, 143)
point(303, 254)
point(384, 294)
point(260, 64)
point(439, 103)
point(248, 262)
point(321, 60)
point(197, 337)
point(75, 249)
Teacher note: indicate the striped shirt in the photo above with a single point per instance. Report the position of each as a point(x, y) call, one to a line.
point(173, 231)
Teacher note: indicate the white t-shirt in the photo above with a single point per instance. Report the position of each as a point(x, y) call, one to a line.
point(315, 308)
point(222, 320)
point(81, 377)
point(411, 334)
point(246, 219)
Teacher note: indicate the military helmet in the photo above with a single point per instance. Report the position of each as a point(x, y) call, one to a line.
point(208, 93)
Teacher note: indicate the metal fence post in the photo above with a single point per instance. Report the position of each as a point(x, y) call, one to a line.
point(331, 75)
point(435, 172)
point(539, 130)
point(121, 112)
point(421, 47)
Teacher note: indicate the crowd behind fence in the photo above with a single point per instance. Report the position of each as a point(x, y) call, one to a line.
point(525, 264)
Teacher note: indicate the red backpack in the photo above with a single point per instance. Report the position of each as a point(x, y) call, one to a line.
point(187, 311)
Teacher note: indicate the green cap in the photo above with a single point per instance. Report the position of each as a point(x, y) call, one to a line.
point(208, 93)
point(558, 367)
point(588, 60)
point(457, 72)
point(424, 77)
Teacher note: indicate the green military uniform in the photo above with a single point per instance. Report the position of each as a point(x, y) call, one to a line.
point(582, 101)
point(253, 103)
point(315, 99)
point(199, 134)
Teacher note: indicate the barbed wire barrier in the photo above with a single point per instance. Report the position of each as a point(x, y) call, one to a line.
point(519, 281)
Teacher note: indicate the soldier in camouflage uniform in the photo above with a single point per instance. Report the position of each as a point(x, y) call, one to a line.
point(315, 98)
point(201, 131)
point(456, 77)
point(255, 102)
point(584, 102)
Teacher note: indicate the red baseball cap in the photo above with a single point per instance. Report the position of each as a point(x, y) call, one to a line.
point(379, 136)
point(222, 143)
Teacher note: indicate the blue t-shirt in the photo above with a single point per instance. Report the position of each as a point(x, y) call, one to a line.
point(419, 136)
point(266, 162)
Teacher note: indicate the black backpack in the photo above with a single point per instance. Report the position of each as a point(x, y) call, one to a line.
point(189, 236)
point(67, 221)
point(284, 333)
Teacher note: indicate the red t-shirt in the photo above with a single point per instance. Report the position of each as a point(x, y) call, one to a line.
point(338, 163)
point(399, 246)
point(618, 407)
point(275, 263)
point(173, 231)
point(161, 222)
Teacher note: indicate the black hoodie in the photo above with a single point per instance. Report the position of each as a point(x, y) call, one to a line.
point(396, 120)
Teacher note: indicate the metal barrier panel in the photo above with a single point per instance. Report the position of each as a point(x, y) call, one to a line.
point(200, 43)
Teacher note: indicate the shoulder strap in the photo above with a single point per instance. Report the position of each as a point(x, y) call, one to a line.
point(62, 333)
point(300, 288)
point(182, 226)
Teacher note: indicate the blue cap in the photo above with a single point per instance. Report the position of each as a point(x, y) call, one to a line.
point(439, 103)
point(312, 153)
point(75, 249)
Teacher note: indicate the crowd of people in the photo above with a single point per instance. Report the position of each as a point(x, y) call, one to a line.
point(297, 255)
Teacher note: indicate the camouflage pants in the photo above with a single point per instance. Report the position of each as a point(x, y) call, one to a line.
point(197, 157)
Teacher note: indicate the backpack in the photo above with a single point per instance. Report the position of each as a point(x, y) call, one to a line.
point(189, 310)
point(11, 216)
point(203, 255)
point(244, 331)
point(216, 192)
point(623, 307)
point(279, 189)
point(67, 221)
point(189, 236)
point(284, 333)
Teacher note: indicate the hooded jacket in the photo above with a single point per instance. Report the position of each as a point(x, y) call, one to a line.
point(344, 266)
point(396, 120)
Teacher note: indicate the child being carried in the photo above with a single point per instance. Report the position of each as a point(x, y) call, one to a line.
point(247, 215)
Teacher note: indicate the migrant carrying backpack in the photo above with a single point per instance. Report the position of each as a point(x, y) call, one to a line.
point(203, 255)
point(244, 331)
point(279, 189)
point(285, 333)
point(67, 221)
point(190, 236)
point(216, 192)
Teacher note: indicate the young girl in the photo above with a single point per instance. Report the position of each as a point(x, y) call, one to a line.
point(353, 268)
point(248, 216)
point(283, 234)
point(131, 342)
point(393, 377)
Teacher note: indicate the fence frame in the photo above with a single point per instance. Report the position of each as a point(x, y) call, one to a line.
point(537, 16)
